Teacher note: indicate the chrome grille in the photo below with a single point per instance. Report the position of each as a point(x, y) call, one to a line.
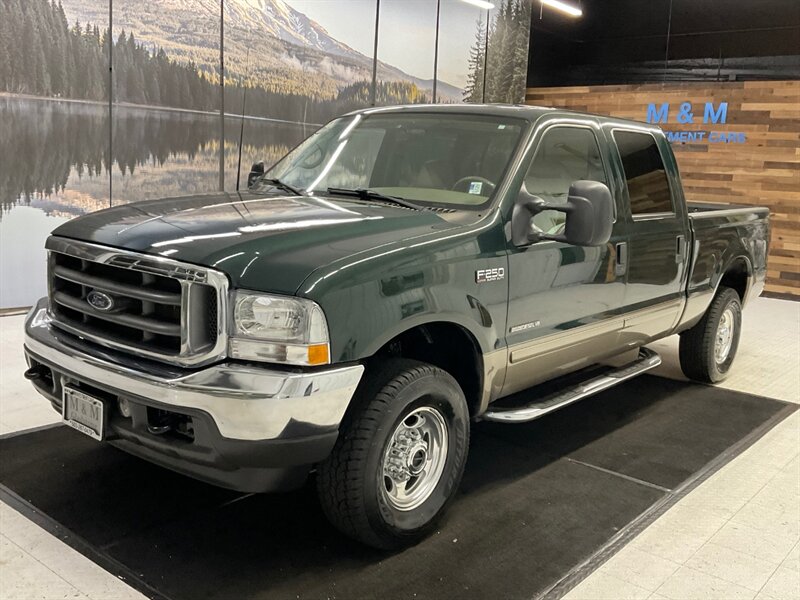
point(146, 305)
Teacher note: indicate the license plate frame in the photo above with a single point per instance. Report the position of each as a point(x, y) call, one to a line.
point(83, 412)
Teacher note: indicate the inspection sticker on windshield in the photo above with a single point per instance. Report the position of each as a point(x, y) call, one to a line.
point(475, 187)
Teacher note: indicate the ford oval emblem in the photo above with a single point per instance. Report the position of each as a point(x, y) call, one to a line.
point(100, 300)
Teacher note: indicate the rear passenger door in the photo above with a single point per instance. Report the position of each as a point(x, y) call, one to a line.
point(657, 237)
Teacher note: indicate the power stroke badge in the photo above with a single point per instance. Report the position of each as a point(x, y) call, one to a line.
point(489, 275)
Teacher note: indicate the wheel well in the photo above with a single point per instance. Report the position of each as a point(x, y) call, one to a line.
point(736, 277)
point(447, 346)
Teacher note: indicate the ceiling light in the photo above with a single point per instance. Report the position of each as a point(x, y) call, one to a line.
point(480, 4)
point(572, 11)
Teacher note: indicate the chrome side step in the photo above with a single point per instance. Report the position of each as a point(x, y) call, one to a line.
point(646, 361)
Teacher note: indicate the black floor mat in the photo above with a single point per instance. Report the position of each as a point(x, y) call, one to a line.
point(537, 499)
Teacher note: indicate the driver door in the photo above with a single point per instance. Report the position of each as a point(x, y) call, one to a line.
point(564, 301)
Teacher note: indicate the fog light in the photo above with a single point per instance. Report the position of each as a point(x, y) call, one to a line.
point(124, 408)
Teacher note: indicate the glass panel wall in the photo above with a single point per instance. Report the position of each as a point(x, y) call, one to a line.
point(507, 53)
point(54, 131)
point(166, 99)
point(290, 65)
point(406, 36)
point(462, 33)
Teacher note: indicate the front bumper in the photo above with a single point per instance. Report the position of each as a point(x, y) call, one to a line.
point(254, 428)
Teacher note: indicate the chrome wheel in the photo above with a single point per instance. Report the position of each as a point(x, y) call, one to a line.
point(725, 334)
point(414, 459)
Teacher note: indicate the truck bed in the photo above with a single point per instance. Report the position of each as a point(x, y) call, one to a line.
point(719, 233)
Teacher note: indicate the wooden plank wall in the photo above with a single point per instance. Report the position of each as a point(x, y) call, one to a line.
point(764, 170)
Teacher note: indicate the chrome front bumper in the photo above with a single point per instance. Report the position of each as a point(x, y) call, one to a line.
point(245, 402)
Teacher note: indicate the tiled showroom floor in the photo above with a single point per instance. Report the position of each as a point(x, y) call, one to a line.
point(737, 535)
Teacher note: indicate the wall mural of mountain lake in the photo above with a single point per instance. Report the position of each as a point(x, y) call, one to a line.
point(55, 167)
point(291, 64)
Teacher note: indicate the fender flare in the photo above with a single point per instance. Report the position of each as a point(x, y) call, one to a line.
point(410, 323)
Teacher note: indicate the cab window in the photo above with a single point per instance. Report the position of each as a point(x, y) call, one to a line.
point(564, 155)
point(645, 175)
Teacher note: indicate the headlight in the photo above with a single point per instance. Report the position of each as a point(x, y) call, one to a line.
point(278, 329)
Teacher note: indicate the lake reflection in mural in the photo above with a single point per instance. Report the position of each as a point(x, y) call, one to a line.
point(55, 167)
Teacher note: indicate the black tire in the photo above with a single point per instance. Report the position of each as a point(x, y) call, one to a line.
point(698, 344)
point(349, 481)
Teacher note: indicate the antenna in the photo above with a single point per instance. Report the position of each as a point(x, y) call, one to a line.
point(241, 127)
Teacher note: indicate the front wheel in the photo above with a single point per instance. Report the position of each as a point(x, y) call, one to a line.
point(399, 457)
point(707, 350)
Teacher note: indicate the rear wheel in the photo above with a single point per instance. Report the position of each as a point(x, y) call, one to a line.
point(708, 349)
point(399, 457)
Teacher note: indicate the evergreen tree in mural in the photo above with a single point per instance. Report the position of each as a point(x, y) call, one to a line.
point(473, 92)
point(519, 78)
point(358, 94)
point(43, 55)
point(505, 58)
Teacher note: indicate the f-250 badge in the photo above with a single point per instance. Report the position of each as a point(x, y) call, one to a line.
point(488, 275)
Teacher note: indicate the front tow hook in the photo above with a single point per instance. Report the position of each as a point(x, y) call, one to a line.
point(159, 429)
point(36, 373)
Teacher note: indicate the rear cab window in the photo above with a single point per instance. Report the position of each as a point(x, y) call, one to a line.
point(646, 178)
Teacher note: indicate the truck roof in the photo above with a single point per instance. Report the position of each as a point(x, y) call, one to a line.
point(521, 111)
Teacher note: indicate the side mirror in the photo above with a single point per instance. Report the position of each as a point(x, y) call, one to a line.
point(256, 171)
point(589, 210)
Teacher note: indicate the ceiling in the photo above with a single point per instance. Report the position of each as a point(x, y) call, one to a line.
point(615, 32)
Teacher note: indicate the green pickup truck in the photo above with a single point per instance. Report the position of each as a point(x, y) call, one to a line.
point(377, 291)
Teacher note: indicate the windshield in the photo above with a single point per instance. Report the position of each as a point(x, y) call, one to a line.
point(454, 160)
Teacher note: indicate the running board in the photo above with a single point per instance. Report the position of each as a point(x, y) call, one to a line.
point(646, 361)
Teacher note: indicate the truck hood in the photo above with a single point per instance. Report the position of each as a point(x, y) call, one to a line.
point(264, 243)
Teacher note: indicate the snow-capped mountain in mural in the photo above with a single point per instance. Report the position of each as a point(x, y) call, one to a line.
point(282, 21)
point(289, 52)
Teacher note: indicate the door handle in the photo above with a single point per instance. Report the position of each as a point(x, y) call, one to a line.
point(621, 266)
point(680, 250)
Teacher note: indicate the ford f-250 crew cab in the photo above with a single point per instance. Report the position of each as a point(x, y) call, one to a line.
point(376, 291)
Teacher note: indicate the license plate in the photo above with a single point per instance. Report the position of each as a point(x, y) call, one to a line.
point(83, 412)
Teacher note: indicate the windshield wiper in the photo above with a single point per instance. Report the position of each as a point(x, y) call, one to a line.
point(282, 186)
point(365, 194)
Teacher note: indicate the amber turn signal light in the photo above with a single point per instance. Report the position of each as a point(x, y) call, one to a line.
point(318, 354)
